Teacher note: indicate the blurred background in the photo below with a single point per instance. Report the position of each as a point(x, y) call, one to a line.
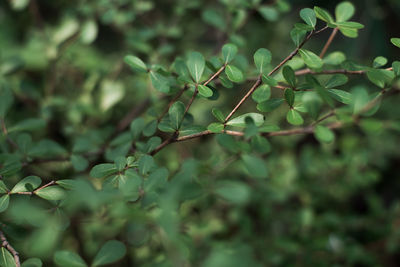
point(332, 205)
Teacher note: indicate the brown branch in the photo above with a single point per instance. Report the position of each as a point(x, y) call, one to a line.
point(337, 71)
point(247, 95)
point(328, 43)
point(258, 81)
point(330, 114)
point(36, 190)
point(44, 186)
point(5, 244)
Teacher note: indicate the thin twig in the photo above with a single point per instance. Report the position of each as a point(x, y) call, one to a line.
point(5, 244)
point(328, 43)
point(330, 114)
point(44, 186)
point(337, 71)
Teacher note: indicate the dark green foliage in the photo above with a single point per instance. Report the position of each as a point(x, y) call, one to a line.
point(196, 133)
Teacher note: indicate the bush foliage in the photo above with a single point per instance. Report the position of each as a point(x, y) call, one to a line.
point(195, 133)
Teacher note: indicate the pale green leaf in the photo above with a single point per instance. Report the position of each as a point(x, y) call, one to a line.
point(240, 121)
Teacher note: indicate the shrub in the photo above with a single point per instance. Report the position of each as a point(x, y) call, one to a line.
point(121, 144)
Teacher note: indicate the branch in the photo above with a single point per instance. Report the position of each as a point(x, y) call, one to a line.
point(258, 81)
point(5, 244)
point(337, 71)
point(328, 43)
point(36, 190)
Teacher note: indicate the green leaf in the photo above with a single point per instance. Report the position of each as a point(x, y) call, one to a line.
point(289, 96)
point(137, 127)
point(4, 201)
point(268, 13)
point(294, 117)
point(65, 258)
point(323, 134)
point(130, 187)
point(215, 127)
point(396, 68)
point(232, 191)
point(341, 96)
point(379, 62)
point(89, 31)
point(308, 15)
point(191, 129)
point(350, 25)
point(322, 14)
point(28, 184)
point(240, 121)
point(10, 167)
point(195, 64)
point(28, 125)
point(312, 102)
point(156, 180)
point(225, 82)
point(349, 32)
point(120, 162)
point(270, 105)
point(297, 36)
point(229, 52)
point(6, 258)
point(3, 187)
point(334, 58)
point(110, 252)
point(111, 93)
point(6, 100)
point(262, 57)
point(234, 74)
point(344, 11)
point(79, 163)
point(269, 80)
point(159, 82)
point(53, 192)
point(260, 144)
point(214, 18)
point(289, 75)
point(150, 128)
point(32, 262)
point(67, 183)
point(380, 77)
point(255, 166)
point(262, 93)
point(336, 80)
point(322, 92)
point(176, 113)
point(310, 59)
point(135, 63)
point(204, 91)
point(146, 164)
point(395, 41)
point(103, 170)
point(218, 114)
